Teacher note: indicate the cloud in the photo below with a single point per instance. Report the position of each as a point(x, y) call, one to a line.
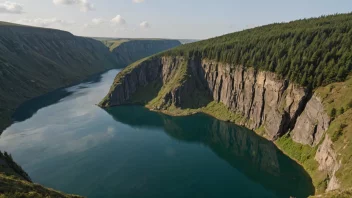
point(98, 21)
point(44, 22)
point(138, 1)
point(94, 22)
point(144, 25)
point(83, 4)
point(118, 20)
point(11, 8)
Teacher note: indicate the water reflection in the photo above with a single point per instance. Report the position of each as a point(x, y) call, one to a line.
point(31, 107)
point(256, 157)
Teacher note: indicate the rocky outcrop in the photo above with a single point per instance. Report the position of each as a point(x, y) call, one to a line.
point(328, 162)
point(34, 61)
point(312, 123)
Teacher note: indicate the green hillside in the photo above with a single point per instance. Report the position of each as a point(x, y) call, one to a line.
point(34, 61)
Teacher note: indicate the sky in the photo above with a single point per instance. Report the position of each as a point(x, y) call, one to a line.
point(177, 19)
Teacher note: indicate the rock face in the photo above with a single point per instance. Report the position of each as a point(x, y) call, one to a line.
point(327, 159)
point(312, 123)
point(131, 51)
point(260, 97)
point(34, 61)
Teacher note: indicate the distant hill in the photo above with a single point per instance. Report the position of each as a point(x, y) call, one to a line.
point(128, 50)
point(186, 41)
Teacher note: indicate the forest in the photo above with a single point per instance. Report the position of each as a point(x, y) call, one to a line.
point(310, 52)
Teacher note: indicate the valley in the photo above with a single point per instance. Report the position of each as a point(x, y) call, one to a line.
point(263, 112)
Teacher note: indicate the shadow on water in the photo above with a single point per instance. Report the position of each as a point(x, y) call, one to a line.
point(31, 107)
point(257, 158)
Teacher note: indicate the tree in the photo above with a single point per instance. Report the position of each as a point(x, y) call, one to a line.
point(342, 111)
point(333, 113)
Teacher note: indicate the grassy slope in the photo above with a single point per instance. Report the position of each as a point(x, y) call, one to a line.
point(339, 96)
point(304, 155)
point(112, 44)
point(11, 187)
point(336, 194)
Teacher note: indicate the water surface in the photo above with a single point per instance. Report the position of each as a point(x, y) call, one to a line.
point(64, 141)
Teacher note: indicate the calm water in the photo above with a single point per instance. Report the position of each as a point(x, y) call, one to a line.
point(66, 142)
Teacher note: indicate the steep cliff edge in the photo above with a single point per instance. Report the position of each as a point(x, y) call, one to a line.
point(260, 98)
point(128, 51)
point(34, 61)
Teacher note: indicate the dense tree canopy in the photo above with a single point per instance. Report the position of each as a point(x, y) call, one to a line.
point(311, 52)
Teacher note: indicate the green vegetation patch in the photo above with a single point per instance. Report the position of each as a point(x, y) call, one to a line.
point(337, 101)
point(144, 95)
point(341, 132)
point(178, 76)
point(336, 194)
point(221, 112)
point(16, 188)
point(112, 44)
point(304, 155)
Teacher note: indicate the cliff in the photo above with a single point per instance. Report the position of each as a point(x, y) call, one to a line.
point(287, 81)
point(128, 51)
point(34, 61)
point(259, 100)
